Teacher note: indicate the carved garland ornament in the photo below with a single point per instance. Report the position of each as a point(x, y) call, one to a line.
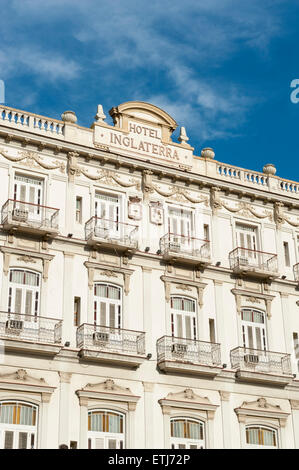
point(175, 192)
point(105, 176)
point(244, 208)
point(31, 159)
point(280, 217)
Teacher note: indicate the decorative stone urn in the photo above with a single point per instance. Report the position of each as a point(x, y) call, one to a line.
point(207, 153)
point(69, 116)
point(269, 169)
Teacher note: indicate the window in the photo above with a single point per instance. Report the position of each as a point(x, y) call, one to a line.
point(77, 308)
point(246, 237)
point(212, 330)
point(183, 318)
point(23, 292)
point(180, 226)
point(187, 433)
point(258, 436)
point(286, 254)
point(106, 430)
point(107, 305)
point(253, 329)
point(18, 425)
point(206, 232)
point(29, 190)
point(79, 210)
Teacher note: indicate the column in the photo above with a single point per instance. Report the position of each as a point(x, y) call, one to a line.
point(43, 441)
point(68, 301)
point(221, 326)
point(83, 423)
point(287, 346)
point(295, 421)
point(166, 410)
point(64, 397)
point(131, 426)
point(226, 419)
point(148, 414)
point(147, 309)
point(210, 422)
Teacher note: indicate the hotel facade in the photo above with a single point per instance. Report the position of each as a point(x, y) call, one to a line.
point(149, 296)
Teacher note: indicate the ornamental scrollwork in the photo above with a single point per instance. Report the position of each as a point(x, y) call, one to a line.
point(280, 217)
point(105, 176)
point(32, 159)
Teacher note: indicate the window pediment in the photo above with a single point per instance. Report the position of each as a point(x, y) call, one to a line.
point(21, 381)
point(188, 400)
point(261, 408)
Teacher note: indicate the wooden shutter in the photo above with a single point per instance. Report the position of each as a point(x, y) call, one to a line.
point(8, 440)
point(18, 300)
point(23, 437)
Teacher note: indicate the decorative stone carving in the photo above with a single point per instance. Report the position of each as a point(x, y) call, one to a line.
point(134, 208)
point(180, 282)
point(280, 217)
point(183, 138)
point(215, 200)
point(261, 408)
point(254, 297)
point(26, 259)
point(108, 273)
point(69, 116)
point(184, 287)
point(32, 159)
point(187, 399)
point(269, 169)
point(207, 153)
point(107, 390)
point(126, 273)
point(156, 213)
point(100, 116)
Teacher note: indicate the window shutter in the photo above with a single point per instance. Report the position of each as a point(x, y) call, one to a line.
point(103, 314)
point(112, 444)
point(28, 303)
point(23, 193)
point(99, 443)
point(112, 316)
point(18, 300)
point(8, 440)
point(23, 440)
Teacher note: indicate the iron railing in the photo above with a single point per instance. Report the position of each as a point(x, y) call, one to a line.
point(257, 360)
point(245, 258)
point(110, 340)
point(32, 215)
point(172, 243)
point(31, 328)
point(296, 272)
point(111, 232)
point(192, 351)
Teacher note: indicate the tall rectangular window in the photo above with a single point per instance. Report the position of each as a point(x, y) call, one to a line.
point(296, 348)
point(79, 210)
point(206, 232)
point(77, 307)
point(286, 253)
point(212, 330)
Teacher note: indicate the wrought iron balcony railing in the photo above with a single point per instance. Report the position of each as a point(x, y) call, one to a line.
point(31, 328)
point(257, 360)
point(31, 216)
point(110, 340)
point(296, 272)
point(109, 232)
point(245, 259)
point(180, 245)
point(197, 352)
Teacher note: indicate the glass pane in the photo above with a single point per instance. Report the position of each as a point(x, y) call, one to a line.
point(23, 440)
point(8, 440)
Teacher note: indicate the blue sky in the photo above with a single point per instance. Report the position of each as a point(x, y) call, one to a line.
point(221, 68)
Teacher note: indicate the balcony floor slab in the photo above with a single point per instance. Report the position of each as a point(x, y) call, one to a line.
point(111, 358)
point(189, 368)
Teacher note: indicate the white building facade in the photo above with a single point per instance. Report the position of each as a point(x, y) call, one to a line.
point(149, 296)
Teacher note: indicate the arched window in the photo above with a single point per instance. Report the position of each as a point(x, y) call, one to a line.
point(107, 305)
point(106, 430)
point(183, 318)
point(18, 425)
point(263, 437)
point(187, 433)
point(253, 329)
point(24, 292)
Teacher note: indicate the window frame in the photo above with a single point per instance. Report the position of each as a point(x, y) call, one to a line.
point(106, 435)
point(20, 428)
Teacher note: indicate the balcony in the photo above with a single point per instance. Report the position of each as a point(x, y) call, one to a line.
point(187, 356)
point(296, 272)
point(112, 346)
point(30, 333)
point(255, 365)
point(112, 235)
point(187, 250)
point(29, 218)
point(253, 263)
